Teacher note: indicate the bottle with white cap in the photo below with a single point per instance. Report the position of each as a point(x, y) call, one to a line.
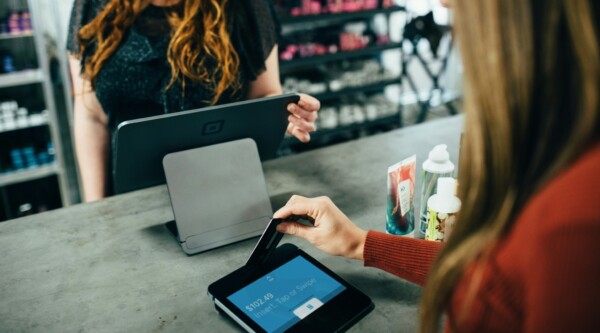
point(442, 209)
point(437, 165)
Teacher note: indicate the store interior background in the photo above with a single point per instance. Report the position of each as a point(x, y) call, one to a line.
point(344, 116)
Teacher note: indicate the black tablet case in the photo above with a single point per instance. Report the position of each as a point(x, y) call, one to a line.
point(141, 144)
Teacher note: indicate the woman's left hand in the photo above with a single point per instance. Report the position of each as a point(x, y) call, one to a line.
point(303, 116)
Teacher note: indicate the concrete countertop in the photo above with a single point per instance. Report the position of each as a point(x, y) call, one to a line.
point(111, 266)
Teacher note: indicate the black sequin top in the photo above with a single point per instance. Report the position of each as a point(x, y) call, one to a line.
point(132, 83)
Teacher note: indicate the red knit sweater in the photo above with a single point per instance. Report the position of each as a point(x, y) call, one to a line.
point(544, 276)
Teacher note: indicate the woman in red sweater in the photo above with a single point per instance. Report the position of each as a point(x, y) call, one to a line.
point(523, 255)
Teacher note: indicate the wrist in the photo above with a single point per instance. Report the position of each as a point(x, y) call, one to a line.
point(358, 245)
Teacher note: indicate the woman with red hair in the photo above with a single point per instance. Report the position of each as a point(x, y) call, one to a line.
point(140, 58)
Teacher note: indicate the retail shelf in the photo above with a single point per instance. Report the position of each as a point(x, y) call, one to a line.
point(319, 134)
point(28, 174)
point(354, 90)
point(4, 36)
point(285, 20)
point(316, 60)
point(44, 123)
point(21, 78)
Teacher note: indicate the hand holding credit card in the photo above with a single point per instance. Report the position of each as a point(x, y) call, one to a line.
point(270, 238)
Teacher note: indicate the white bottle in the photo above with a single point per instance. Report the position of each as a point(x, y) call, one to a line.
point(442, 209)
point(437, 165)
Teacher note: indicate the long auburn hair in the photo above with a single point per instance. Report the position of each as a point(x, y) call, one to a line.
point(532, 72)
point(199, 36)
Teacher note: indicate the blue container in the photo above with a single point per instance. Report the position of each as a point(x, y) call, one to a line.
point(17, 159)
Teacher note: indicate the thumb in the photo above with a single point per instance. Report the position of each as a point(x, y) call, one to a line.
point(294, 229)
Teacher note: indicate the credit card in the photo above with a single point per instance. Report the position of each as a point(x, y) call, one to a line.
point(270, 238)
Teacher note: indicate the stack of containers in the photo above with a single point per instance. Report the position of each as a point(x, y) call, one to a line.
point(436, 166)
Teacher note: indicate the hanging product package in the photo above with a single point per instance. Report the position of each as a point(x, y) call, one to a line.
point(400, 215)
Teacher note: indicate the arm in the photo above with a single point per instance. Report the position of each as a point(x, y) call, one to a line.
point(90, 134)
point(406, 257)
point(304, 114)
point(335, 234)
point(562, 291)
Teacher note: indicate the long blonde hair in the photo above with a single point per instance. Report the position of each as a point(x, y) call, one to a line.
point(199, 36)
point(532, 72)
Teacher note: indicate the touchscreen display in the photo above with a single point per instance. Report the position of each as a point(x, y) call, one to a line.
point(286, 295)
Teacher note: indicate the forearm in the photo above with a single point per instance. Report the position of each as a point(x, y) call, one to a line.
point(405, 257)
point(91, 146)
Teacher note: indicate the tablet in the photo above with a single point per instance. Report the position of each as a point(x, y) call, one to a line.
point(142, 143)
point(290, 292)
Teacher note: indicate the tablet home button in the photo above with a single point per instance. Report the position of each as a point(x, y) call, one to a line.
point(307, 308)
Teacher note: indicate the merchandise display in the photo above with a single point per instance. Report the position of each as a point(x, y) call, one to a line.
point(13, 117)
point(328, 40)
point(316, 7)
point(355, 110)
point(333, 51)
point(33, 174)
point(352, 74)
point(17, 22)
point(29, 149)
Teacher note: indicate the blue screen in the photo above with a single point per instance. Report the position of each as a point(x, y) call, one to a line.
point(286, 295)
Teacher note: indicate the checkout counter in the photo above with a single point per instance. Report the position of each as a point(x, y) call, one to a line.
point(112, 266)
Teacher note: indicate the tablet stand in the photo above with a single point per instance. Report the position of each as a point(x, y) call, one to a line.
point(218, 194)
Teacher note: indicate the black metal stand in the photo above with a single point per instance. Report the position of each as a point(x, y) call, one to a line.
point(407, 57)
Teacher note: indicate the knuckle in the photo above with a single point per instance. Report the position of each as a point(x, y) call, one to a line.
point(324, 199)
point(292, 229)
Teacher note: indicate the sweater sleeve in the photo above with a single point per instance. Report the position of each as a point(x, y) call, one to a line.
point(562, 291)
point(405, 257)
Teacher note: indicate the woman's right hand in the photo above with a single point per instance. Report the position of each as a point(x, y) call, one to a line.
point(333, 232)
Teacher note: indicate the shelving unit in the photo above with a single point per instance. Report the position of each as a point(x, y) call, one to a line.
point(377, 86)
point(288, 65)
point(330, 96)
point(328, 133)
point(14, 36)
point(43, 123)
point(344, 16)
point(41, 185)
point(29, 76)
point(27, 175)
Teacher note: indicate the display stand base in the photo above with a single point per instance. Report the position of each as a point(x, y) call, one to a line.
point(218, 194)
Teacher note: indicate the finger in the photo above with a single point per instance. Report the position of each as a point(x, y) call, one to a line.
point(302, 124)
point(283, 212)
point(308, 102)
point(296, 205)
point(309, 115)
point(302, 135)
point(294, 229)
